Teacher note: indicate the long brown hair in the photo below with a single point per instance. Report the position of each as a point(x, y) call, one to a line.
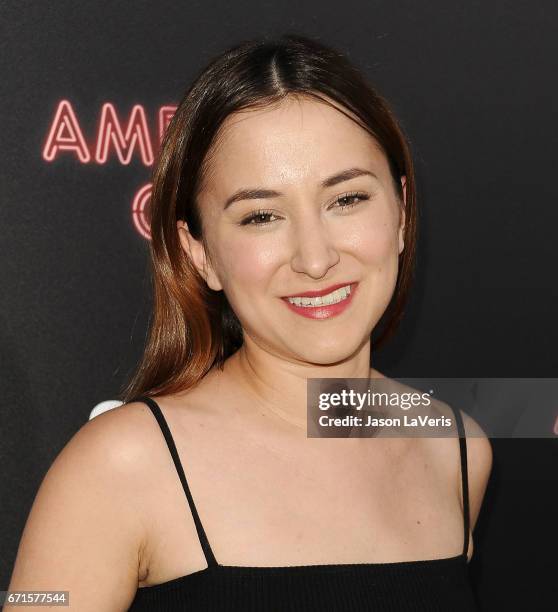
point(192, 328)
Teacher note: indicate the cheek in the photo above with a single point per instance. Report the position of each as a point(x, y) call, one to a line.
point(376, 246)
point(375, 243)
point(247, 264)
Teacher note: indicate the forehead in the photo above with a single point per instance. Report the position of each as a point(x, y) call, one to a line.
point(299, 139)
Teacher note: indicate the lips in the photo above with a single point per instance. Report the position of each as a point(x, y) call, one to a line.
point(321, 291)
point(323, 311)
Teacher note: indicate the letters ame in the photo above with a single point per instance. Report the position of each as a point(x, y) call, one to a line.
point(65, 134)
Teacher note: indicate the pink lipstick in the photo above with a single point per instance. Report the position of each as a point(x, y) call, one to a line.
point(322, 304)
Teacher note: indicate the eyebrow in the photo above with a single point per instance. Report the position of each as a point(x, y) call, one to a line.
point(257, 193)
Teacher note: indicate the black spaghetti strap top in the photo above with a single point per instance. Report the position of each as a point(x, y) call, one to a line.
point(431, 585)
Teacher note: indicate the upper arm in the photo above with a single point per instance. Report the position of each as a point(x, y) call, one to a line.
point(84, 533)
point(479, 465)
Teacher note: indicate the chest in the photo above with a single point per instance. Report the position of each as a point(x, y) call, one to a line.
point(264, 502)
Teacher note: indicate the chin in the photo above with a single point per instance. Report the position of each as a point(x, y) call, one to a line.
point(329, 354)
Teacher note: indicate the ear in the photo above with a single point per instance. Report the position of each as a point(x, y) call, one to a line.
point(402, 220)
point(196, 252)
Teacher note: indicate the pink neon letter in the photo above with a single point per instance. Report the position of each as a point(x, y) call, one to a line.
point(65, 135)
point(139, 211)
point(165, 115)
point(136, 132)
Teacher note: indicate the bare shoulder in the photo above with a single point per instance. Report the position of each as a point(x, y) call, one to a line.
point(445, 451)
point(116, 442)
point(479, 463)
point(86, 530)
point(479, 457)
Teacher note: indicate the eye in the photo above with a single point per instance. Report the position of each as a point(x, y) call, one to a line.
point(261, 217)
point(257, 218)
point(348, 200)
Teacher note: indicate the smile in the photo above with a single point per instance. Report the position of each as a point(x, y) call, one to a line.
point(331, 298)
point(323, 306)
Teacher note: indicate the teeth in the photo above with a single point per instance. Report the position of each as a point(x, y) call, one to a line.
point(323, 300)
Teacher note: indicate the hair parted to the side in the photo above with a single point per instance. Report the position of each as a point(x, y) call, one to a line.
point(192, 328)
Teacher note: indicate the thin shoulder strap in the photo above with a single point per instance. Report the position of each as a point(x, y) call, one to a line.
point(156, 410)
point(464, 476)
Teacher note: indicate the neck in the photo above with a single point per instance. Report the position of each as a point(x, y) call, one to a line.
point(277, 386)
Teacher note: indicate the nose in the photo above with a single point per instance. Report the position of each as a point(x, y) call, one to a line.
point(314, 252)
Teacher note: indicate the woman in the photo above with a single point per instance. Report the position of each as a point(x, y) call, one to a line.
point(283, 174)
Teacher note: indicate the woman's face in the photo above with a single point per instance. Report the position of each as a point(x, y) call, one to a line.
point(295, 232)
